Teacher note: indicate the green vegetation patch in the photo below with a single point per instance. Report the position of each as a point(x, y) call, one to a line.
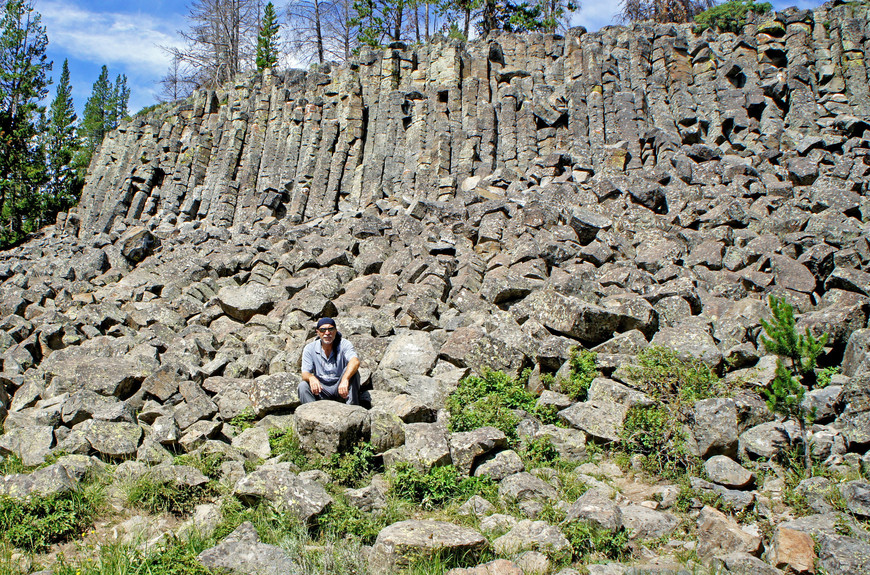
point(157, 496)
point(593, 542)
point(666, 378)
point(34, 523)
point(583, 371)
point(490, 400)
point(729, 16)
point(438, 486)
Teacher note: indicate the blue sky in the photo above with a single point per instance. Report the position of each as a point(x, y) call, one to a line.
point(126, 36)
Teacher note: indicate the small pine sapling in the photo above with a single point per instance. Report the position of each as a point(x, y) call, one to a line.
point(791, 381)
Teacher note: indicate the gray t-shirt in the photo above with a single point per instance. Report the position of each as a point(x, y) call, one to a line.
point(327, 369)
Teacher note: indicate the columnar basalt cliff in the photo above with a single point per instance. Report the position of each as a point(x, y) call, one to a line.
point(463, 207)
point(420, 122)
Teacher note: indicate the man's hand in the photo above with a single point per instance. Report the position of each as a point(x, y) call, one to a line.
point(314, 384)
point(343, 388)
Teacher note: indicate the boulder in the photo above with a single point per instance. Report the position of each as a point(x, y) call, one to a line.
point(793, 551)
point(718, 534)
point(715, 427)
point(244, 302)
point(725, 471)
point(503, 464)
point(645, 523)
point(524, 486)
point(30, 444)
point(274, 393)
point(466, 447)
point(601, 420)
point(328, 427)
point(427, 445)
point(401, 543)
point(115, 440)
point(289, 492)
point(598, 510)
point(530, 535)
point(844, 555)
point(242, 552)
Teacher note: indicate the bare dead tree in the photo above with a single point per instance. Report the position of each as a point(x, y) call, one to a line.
point(321, 30)
point(220, 43)
point(663, 10)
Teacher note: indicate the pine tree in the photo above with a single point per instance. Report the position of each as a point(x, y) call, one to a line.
point(23, 84)
point(61, 147)
point(94, 122)
point(267, 40)
point(104, 110)
point(791, 381)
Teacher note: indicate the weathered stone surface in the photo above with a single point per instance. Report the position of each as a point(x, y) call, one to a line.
point(601, 420)
point(503, 464)
point(242, 552)
point(532, 535)
point(244, 302)
point(764, 440)
point(51, 480)
point(467, 447)
point(400, 543)
point(30, 444)
point(427, 445)
point(254, 442)
point(648, 523)
point(114, 439)
point(842, 554)
point(274, 393)
point(525, 486)
point(277, 484)
point(718, 534)
point(725, 471)
point(793, 551)
point(715, 427)
point(596, 509)
point(327, 427)
point(856, 495)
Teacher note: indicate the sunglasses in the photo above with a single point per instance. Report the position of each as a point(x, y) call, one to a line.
point(326, 329)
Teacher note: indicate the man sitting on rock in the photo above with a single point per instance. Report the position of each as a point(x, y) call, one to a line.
point(329, 367)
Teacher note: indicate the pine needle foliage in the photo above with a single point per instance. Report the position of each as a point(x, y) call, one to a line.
point(791, 381)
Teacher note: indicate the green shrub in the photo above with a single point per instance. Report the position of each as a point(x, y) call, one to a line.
point(729, 16)
point(583, 371)
point(490, 400)
point(436, 487)
point(354, 468)
point(791, 381)
point(590, 541)
point(665, 377)
point(208, 464)
point(244, 420)
point(342, 520)
point(823, 378)
point(285, 444)
point(157, 496)
point(653, 433)
point(538, 452)
point(34, 523)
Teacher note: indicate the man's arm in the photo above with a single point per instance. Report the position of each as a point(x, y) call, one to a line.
point(307, 369)
point(353, 364)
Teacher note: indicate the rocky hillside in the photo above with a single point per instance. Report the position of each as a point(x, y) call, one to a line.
point(462, 207)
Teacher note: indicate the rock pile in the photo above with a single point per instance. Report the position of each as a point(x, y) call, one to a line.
point(458, 207)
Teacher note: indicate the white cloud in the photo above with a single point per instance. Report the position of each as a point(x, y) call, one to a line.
point(594, 15)
point(129, 40)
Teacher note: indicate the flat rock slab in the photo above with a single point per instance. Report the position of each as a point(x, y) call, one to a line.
point(47, 481)
point(114, 439)
point(528, 535)
point(276, 392)
point(844, 555)
point(242, 552)
point(30, 444)
point(725, 471)
point(525, 487)
point(400, 543)
point(244, 302)
point(303, 498)
point(600, 419)
point(328, 427)
point(645, 523)
point(719, 534)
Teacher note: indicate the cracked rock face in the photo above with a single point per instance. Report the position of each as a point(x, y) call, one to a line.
point(458, 207)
